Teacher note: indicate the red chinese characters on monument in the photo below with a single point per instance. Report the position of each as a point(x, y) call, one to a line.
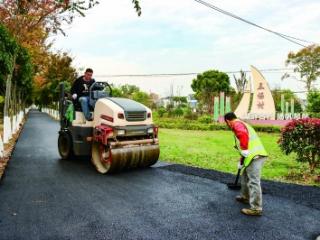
point(260, 96)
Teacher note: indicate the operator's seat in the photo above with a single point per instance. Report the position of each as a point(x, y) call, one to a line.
point(80, 120)
point(97, 91)
point(77, 105)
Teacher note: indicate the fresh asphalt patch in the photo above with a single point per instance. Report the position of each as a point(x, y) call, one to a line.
point(304, 195)
point(44, 197)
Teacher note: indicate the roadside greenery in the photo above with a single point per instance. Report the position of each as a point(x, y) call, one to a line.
point(16, 74)
point(209, 84)
point(306, 62)
point(214, 150)
point(303, 138)
point(313, 107)
point(204, 123)
point(47, 86)
point(132, 92)
point(24, 32)
point(288, 95)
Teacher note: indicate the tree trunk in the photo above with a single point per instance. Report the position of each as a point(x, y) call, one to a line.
point(8, 89)
point(7, 123)
point(7, 96)
point(309, 82)
point(6, 118)
point(14, 107)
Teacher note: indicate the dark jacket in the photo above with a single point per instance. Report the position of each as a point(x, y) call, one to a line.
point(81, 87)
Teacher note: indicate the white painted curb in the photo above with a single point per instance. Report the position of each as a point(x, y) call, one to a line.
point(6, 129)
point(1, 147)
point(14, 124)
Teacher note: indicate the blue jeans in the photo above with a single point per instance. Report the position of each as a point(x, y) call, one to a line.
point(84, 101)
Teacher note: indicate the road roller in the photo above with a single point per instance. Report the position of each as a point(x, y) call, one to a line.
point(120, 136)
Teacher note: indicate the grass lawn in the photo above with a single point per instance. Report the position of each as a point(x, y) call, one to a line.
point(214, 150)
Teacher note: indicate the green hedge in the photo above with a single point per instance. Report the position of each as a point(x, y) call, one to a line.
point(180, 123)
point(314, 115)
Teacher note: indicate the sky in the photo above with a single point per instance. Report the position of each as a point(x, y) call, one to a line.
point(183, 36)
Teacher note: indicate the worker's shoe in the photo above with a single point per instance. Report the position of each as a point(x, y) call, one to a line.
point(242, 199)
point(251, 212)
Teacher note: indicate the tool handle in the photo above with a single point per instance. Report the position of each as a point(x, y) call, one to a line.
point(237, 178)
point(242, 160)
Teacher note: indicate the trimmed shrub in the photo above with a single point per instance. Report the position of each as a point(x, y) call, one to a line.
point(180, 123)
point(178, 112)
point(205, 119)
point(314, 115)
point(302, 137)
point(161, 111)
point(266, 128)
point(188, 114)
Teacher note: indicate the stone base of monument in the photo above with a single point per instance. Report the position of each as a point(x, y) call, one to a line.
point(280, 123)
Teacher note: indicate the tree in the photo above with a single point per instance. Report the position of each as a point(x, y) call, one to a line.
point(8, 48)
point(209, 84)
point(313, 99)
point(8, 55)
point(116, 91)
point(137, 6)
point(235, 99)
point(128, 90)
point(132, 92)
point(23, 16)
point(142, 97)
point(241, 81)
point(31, 22)
point(23, 79)
point(306, 62)
point(288, 95)
point(59, 70)
point(16, 73)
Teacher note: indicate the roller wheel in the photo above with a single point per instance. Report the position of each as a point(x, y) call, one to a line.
point(117, 159)
point(65, 145)
point(100, 156)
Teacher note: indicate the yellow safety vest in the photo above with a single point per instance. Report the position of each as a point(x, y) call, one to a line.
point(255, 147)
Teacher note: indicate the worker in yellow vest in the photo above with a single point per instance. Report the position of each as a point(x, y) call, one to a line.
point(253, 155)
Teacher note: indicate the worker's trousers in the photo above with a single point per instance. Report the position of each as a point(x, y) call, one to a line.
point(250, 183)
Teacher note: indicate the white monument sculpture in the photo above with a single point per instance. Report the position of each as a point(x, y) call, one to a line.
point(262, 106)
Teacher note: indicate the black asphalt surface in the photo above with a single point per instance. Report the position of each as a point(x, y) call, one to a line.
point(43, 197)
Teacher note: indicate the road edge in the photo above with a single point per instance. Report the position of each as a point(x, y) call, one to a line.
point(9, 148)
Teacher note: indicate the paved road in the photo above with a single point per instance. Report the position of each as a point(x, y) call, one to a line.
point(43, 197)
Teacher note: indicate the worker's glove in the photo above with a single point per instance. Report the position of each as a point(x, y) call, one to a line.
point(74, 96)
point(240, 166)
point(244, 153)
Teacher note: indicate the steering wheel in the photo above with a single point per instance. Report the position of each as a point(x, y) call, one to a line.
point(100, 86)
